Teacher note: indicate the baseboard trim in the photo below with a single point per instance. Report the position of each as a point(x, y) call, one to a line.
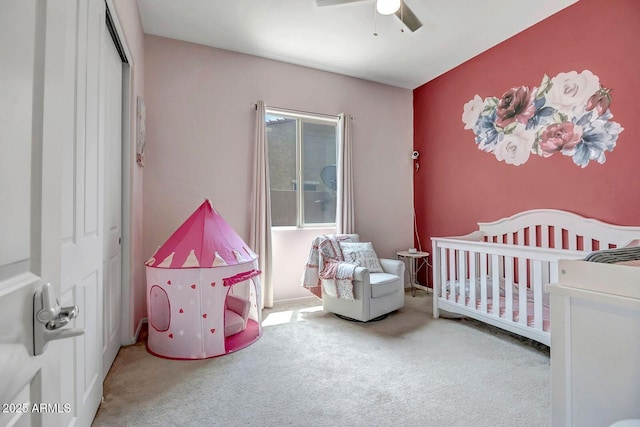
point(300, 299)
point(428, 290)
point(141, 324)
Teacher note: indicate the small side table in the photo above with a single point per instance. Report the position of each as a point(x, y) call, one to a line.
point(412, 258)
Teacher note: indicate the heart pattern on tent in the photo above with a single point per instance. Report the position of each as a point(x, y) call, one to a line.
point(204, 250)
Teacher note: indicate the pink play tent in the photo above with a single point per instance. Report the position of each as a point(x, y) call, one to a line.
point(203, 285)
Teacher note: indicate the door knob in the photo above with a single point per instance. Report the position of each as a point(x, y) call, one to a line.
point(49, 318)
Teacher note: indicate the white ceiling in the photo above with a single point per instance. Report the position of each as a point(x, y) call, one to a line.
point(340, 38)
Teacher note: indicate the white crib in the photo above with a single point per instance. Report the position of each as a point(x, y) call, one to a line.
point(497, 274)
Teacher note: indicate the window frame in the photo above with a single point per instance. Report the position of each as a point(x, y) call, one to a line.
point(301, 117)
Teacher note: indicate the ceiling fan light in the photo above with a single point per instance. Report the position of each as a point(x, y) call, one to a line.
point(387, 7)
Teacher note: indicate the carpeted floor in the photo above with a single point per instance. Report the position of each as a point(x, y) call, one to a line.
point(311, 368)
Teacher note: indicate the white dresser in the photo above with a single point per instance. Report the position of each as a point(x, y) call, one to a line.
point(595, 344)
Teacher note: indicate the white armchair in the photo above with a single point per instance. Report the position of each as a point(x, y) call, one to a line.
point(375, 294)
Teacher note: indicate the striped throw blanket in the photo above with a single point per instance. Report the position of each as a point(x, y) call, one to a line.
point(610, 256)
point(326, 271)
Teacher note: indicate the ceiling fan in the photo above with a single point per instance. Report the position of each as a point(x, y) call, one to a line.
point(384, 7)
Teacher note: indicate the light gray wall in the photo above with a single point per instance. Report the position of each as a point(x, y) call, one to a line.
point(129, 17)
point(200, 144)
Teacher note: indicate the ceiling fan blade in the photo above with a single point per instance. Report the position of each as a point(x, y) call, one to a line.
point(408, 18)
point(322, 3)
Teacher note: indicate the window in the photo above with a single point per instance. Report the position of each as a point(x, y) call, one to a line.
point(302, 149)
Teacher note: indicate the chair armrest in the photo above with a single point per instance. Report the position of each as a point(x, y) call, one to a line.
point(393, 266)
point(361, 274)
point(238, 305)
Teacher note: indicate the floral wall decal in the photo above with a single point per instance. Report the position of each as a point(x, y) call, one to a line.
point(567, 114)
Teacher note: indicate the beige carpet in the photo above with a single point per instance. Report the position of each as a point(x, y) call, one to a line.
point(311, 368)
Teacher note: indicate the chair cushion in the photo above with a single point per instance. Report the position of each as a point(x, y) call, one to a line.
point(233, 323)
point(361, 254)
point(384, 284)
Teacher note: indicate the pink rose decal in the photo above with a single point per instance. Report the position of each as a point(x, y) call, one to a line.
point(559, 137)
point(515, 105)
point(599, 101)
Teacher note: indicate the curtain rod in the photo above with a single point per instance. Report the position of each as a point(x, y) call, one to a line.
point(289, 110)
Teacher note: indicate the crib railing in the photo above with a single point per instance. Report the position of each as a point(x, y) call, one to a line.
point(494, 280)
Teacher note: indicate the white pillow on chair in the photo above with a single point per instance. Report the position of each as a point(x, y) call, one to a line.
point(361, 254)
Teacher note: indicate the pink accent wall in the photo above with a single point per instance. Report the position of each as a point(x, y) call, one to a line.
point(201, 130)
point(135, 302)
point(458, 184)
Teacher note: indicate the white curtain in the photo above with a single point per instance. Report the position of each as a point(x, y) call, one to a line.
point(261, 225)
point(345, 217)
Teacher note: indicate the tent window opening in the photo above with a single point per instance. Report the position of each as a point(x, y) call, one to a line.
point(302, 168)
point(160, 309)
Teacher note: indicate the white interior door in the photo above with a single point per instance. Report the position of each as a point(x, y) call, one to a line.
point(51, 194)
point(82, 210)
point(35, 53)
point(26, 194)
point(112, 267)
